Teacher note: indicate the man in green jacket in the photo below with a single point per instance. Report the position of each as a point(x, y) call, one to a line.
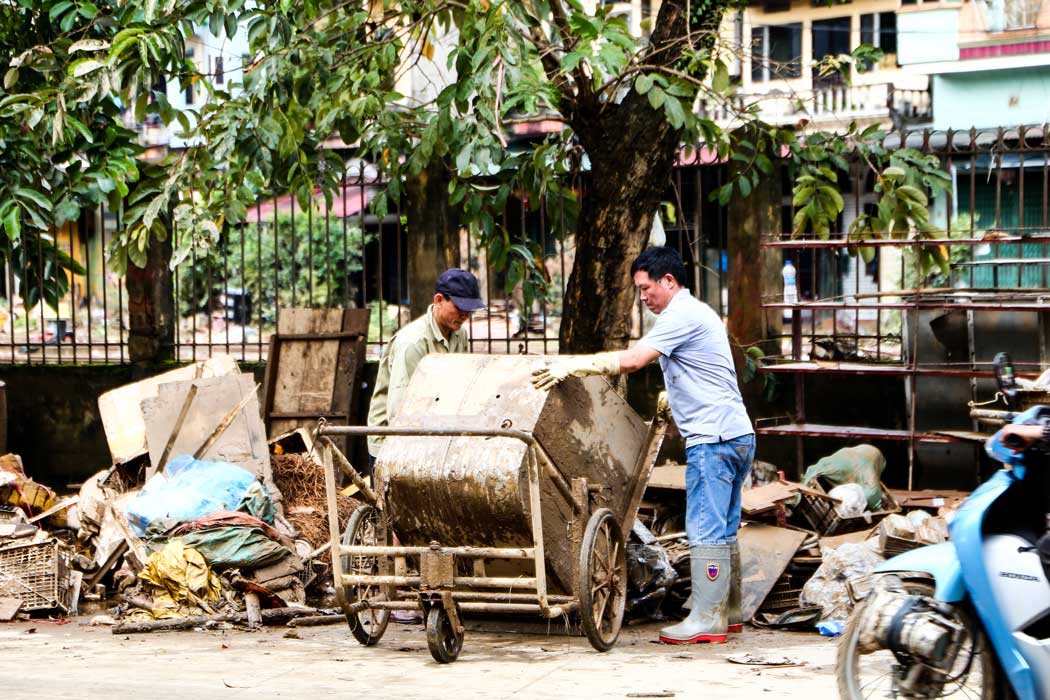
point(440, 329)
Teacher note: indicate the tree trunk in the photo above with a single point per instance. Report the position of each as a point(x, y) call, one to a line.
point(151, 306)
point(622, 195)
point(632, 150)
point(433, 234)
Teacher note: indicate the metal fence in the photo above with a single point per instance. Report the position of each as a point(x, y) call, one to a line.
point(283, 256)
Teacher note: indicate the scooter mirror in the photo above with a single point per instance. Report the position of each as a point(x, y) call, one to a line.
point(1005, 377)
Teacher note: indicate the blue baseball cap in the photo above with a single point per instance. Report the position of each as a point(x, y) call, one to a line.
point(461, 288)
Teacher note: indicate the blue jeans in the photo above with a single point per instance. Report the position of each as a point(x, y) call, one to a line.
point(714, 477)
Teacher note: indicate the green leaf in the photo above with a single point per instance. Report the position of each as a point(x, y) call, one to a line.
point(725, 193)
point(79, 69)
point(79, 127)
point(643, 84)
point(33, 196)
point(745, 186)
point(12, 222)
point(720, 78)
point(58, 9)
point(676, 114)
point(68, 21)
point(10, 78)
point(656, 97)
point(89, 45)
point(570, 61)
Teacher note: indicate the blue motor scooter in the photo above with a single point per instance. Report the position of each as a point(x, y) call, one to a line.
point(969, 618)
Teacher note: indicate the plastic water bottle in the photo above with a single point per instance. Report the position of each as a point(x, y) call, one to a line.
point(789, 274)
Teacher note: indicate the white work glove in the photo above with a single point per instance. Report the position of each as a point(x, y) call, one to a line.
point(604, 363)
point(663, 404)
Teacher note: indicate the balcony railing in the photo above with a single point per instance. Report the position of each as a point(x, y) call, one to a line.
point(827, 105)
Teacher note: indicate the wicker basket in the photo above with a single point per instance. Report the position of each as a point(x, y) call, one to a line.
point(38, 575)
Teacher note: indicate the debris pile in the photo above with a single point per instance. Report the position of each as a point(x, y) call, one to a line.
point(188, 529)
point(800, 542)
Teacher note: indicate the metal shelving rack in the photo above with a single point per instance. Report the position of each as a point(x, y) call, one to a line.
point(963, 297)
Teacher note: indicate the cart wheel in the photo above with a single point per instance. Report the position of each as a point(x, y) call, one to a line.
point(445, 644)
point(603, 580)
point(367, 625)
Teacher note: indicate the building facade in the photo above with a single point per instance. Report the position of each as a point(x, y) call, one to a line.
point(988, 62)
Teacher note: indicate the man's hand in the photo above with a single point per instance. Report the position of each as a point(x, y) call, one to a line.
point(604, 363)
point(548, 377)
point(1020, 437)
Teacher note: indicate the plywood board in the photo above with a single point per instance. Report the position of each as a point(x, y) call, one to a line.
point(668, 476)
point(765, 497)
point(243, 443)
point(765, 552)
point(314, 367)
point(931, 499)
point(121, 411)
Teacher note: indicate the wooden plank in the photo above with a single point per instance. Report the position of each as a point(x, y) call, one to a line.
point(120, 409)
point(316, 361)
point(243, 443)
point(765, 497)
point(351, 363)
point(765, 552)
point(668, 476)
point(9, 608)
point(930, 498)
point(273, 361)
point(306, 375)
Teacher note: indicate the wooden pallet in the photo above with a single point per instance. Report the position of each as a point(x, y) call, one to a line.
point(314, 368)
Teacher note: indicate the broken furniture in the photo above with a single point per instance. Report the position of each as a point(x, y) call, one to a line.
point(503, 499)
point(314, 368)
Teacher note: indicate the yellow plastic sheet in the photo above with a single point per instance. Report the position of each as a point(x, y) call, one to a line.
point(180, 582)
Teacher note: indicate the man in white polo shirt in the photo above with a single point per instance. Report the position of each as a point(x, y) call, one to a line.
point(692, 345)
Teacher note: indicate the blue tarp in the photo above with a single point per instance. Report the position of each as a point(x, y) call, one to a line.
point(187, 490)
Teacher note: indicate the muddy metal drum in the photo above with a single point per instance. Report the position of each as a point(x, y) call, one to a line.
point(492, 496)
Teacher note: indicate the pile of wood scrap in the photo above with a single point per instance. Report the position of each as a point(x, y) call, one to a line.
point(300, 476)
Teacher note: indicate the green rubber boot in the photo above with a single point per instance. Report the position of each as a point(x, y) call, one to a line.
point(735, 624)
point(711, 570)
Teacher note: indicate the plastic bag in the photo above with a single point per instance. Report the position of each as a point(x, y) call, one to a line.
point(827, 588)
point(187, 490)
point(852, 500)
point(862, 464)
point(896, 525)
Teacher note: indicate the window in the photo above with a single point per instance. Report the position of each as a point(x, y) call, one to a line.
point(830, 37)
point(879, 30)
point(218, 77)
point(776, 52)
point(1020, 14)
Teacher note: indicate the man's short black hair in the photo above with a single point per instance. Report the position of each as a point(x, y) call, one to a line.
point(659, 261)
